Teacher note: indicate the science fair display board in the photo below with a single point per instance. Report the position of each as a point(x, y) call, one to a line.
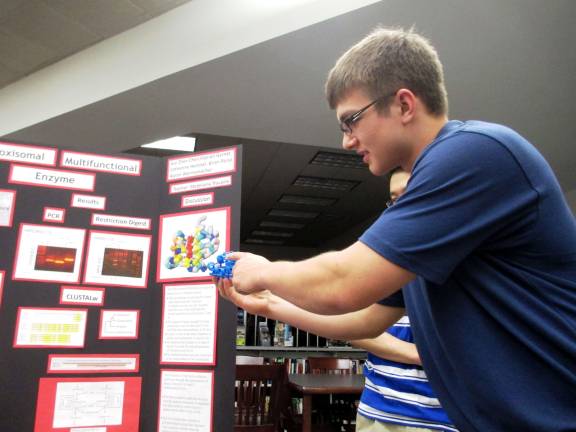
point(109, 320)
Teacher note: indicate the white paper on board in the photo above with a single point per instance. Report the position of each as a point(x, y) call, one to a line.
point(189, 323)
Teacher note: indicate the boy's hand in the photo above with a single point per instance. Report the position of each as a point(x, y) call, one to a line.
point(246, 272)
point(256, 303)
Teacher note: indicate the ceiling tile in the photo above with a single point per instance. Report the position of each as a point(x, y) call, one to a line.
point(22, 55)
point(45, 26)
point(105, 18)
point(6, 75)
point(37, 33)
point(158, 6)
point(7, 6)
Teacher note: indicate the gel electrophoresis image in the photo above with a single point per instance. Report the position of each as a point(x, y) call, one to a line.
point(122, 262)
point(54, 258)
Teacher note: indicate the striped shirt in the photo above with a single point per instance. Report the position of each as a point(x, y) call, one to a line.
point(399, 393)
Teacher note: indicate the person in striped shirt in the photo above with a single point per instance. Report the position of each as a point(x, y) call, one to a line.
point(397, 396)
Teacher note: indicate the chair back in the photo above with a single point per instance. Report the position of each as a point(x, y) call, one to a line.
point(259, 397)
point(329, 365)
point(333, 412)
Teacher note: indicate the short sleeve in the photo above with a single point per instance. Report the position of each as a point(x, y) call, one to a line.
point(466, 193)
point(394, 300)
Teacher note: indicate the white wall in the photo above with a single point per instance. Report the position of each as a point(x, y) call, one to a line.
point(189, 35)
point(571, 198)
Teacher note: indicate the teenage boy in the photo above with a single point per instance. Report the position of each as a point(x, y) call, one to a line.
point(483, 234)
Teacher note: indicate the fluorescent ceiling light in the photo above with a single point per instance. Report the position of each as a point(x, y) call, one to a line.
point(180, 143)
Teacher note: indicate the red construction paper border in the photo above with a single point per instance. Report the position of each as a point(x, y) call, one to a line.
point(27, 146)
point(46, 209)
point(82, 247)
point(139, 161)
point(87, 207)
point(215, 331)
point(93, 371)
point(161, 228)
point(21, 308)
point(121, 226)
point(211, 194)
point(188, 370)
point(47, 396)
point(12, 181)
point(199, 155)
point(78, 287)
point(172, 185)
point(147, 263)
point(119, 337)
point(11, 218)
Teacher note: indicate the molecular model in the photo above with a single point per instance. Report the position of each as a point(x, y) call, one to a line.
point(192, 251)
point(222, 268)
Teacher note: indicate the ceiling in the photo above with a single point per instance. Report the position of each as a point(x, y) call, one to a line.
point(510, 61)
point(279, 178)
point(37, 33)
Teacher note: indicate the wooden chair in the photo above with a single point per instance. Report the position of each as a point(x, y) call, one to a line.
point(260, 397)
point(329, 365)
point(333, 413)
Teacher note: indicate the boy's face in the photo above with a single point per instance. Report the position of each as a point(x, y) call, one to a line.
point(376, 137)
point(398, 183)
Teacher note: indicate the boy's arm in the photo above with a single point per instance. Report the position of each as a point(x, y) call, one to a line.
point(390, 348)
point(366, 323)
point(330, 283)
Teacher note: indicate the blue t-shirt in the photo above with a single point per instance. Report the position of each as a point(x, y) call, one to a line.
point(485, 227)
point(399, 393)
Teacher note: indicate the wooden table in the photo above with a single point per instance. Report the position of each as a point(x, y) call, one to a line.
point(314, 384)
